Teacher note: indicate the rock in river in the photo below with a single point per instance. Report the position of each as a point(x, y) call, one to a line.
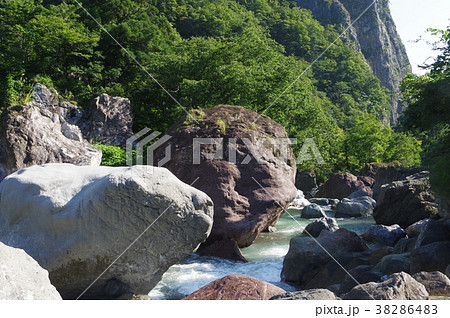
point(398, 286)
point(242, 160)
point(21, 277)
point(236, 287)
point(76, 221)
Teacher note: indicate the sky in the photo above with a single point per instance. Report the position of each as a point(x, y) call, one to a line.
point(413, 18)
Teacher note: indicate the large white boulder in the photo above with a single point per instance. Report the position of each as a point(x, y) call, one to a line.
point(77, 220)
point(21, 277)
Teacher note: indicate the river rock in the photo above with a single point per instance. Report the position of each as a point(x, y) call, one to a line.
point(236, 287)
point(107, 120)
point(405, 245)
point(359, 275)
point(76, 221)
point(356, 206)
point(431, 257)
point(320, 201)
point(386, 235)
point(306, 181)
point(21, 277)
point(310, 294)
point(436, 283)
point(226, 248)
point(307, 257)
point(341, 185)
point(313, 211)
point(398, 286)
point(393, 263)
point(414, 229)
point(434, 231)
point(405, 202)
point(38, 133)
point(251, 181)
point(314, 228)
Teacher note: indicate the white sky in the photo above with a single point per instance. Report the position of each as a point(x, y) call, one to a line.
point(413, 18)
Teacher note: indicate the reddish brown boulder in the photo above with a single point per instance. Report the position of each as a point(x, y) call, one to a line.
point(341, 185)
point(225, 248)
point(236, 287)
point(251, 181)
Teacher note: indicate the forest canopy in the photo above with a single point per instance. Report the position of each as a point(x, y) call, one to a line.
point(204, 53)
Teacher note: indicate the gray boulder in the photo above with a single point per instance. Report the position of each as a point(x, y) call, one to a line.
point(406, 202)
point(431, 257)
point(107, 120)
point(306, 181)
point(310, 294)
point(38, 133)
point(21, 277)
point(414, 229)
point(77, 221)
point(308, 258)
point(405, 245)
point(312, 211)
point(447, 271)
point(314, 228)
point(359, 275)
point(434, 231)
point(319, 201)
point(436, 283)
point(393, 263)
point(356, 206)
point(386, 235)
point(398, 286)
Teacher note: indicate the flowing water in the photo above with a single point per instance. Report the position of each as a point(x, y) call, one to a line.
point(265, 258)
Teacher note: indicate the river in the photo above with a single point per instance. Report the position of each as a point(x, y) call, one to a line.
point(265, 258)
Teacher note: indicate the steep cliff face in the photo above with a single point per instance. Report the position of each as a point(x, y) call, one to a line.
point(373, 34)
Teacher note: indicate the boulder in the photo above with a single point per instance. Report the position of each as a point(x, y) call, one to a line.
point(414, 229)
point(447, 271)
point(248, 168)
point(398, 286)
point(320, 201)
point(359, 275)
point(107, 120)
point(310, 294)
point(313, 211)
point(38, 133)
point(405, 245)
point(314, 228)
point(307, 257)
point(434, 231)
point(306, 181)
point(394, 263)
point(236, 287)
point(386, 235)
point(356, 206)
point(436, 283)
point(226, 248)
point(390, 173)
point(80, 222)
point(341, 185)
point(405, 202)
point(431, 257)
point(21, 277)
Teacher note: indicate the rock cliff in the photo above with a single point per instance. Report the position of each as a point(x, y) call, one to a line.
point(373, 34)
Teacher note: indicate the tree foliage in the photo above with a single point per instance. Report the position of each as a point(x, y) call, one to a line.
point(427, 115)
point(204, 53)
